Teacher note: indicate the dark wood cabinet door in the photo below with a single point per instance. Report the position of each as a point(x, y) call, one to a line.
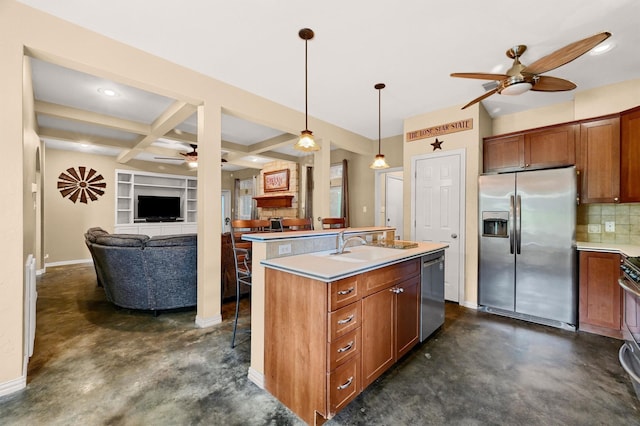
point(630, 156)
point(551, 147)
point(599, 161)
point(378, 334)
point(600, 294)
point(407, 316)
point(503, 154)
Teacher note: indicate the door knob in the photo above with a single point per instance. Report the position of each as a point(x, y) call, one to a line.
point(454, 236)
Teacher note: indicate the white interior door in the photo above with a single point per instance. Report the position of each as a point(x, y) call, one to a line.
point(225, 203)
point(438, 200)
point(393, 202)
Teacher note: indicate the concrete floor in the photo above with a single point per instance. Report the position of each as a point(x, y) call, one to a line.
point(96, 365)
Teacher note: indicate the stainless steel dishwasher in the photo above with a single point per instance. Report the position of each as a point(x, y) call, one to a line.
point(432, 294)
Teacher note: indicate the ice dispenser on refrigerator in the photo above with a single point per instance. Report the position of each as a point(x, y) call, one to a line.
point(494, 224)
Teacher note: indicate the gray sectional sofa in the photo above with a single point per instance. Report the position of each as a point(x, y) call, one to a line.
point(138, 272)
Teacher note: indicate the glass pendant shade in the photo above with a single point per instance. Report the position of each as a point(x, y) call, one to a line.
point(306, 142)
point(379, 162)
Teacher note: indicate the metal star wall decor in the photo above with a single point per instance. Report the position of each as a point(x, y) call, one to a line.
point(436, 144)
point(81, 184)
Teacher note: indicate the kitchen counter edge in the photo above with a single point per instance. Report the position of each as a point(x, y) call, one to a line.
point(625, 249)
point(310, 266)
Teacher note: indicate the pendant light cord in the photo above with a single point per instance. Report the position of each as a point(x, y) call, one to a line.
point(306, 96)
point(379, 119)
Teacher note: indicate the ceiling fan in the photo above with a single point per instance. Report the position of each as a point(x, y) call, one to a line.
point(191, 158)
point(521, 78)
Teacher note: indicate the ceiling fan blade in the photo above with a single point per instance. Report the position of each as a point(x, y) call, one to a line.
point(169, 158)
point(480, 75)
point(566, 54)
point(478, 99)
point(552, 84)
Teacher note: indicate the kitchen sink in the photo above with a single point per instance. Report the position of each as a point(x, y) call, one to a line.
point(358, 254)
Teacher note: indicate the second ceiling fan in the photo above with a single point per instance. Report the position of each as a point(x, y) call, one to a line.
point(521, 78)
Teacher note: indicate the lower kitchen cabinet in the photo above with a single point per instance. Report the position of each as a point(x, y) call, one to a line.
point(601, 305)
point(326, 342)
point(390, 327)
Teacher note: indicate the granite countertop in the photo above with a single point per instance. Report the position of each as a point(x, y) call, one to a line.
point(626, 249)
point(327, 267)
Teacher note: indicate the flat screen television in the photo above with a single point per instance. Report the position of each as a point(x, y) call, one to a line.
point(155, 208)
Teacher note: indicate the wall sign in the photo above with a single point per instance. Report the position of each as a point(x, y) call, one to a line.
point(276, 181)
point(81, 184)
point(442, 129)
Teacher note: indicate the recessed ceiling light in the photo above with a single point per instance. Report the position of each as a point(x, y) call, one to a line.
point(601, 48)
point(108, 92)
point(84, 145)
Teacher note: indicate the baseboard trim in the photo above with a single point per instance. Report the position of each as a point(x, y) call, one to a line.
point(67, 262)
point(256, 377)
point(14, 385)
point(469, 305)
point(208, 322)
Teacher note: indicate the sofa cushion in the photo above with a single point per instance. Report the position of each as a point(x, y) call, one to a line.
point(172, 240)
point(122, 240)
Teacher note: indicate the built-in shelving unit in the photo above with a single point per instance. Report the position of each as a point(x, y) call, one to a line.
point(130, 184)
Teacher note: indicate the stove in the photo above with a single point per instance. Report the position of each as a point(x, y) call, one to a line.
point(629, 354)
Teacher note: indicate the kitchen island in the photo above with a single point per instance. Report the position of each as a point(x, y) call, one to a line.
point(334, 322)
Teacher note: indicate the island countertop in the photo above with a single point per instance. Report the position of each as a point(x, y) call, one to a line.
point(326, 266)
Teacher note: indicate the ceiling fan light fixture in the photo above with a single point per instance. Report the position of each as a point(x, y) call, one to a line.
point(192, 164)
point(379, 162)
point(306, 142)
point(516, 85)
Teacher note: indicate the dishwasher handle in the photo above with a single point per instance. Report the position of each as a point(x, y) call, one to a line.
point(433, 262)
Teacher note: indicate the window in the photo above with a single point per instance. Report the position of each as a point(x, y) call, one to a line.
point(245, 199)
point(335, 190)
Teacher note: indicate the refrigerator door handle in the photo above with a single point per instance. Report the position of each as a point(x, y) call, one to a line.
point(512, 226)
point(518, 224)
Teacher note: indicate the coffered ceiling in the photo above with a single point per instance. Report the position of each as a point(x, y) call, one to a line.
point(412, 46)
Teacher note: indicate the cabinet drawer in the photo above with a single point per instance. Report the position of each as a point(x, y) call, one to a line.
point(389, 275)
point(344, 348)
point(344, 320)
point(344, 385)
point(343, 292)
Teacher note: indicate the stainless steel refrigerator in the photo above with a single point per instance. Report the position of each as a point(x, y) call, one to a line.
point(527, 246)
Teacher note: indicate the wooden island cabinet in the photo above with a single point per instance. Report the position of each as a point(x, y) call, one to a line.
point(326, 342)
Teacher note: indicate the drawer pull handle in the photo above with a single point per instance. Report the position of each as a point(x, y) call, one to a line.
point(346, 384)
point(346, 320)
point(343, 292)
point(397, 290)
point(346, 348)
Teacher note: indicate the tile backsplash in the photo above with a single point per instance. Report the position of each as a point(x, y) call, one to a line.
point(626, 219)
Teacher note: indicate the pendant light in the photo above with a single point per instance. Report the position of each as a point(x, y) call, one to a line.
point(306, 142)
point(379, 162)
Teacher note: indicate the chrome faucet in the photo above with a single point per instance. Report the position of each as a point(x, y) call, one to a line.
point(342, 243)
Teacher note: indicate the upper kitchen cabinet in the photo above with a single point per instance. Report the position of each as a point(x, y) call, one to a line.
point(537, 149)
point(503, 153)
point(630, 156)
point(599, 160)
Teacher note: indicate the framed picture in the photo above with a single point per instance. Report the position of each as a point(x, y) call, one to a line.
point(276, 181)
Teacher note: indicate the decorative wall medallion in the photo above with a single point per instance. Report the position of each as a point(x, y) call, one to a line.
point(81, 184)
point(437, 144)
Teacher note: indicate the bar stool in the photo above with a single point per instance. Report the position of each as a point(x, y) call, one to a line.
point(242, 258)
point(333, 222)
